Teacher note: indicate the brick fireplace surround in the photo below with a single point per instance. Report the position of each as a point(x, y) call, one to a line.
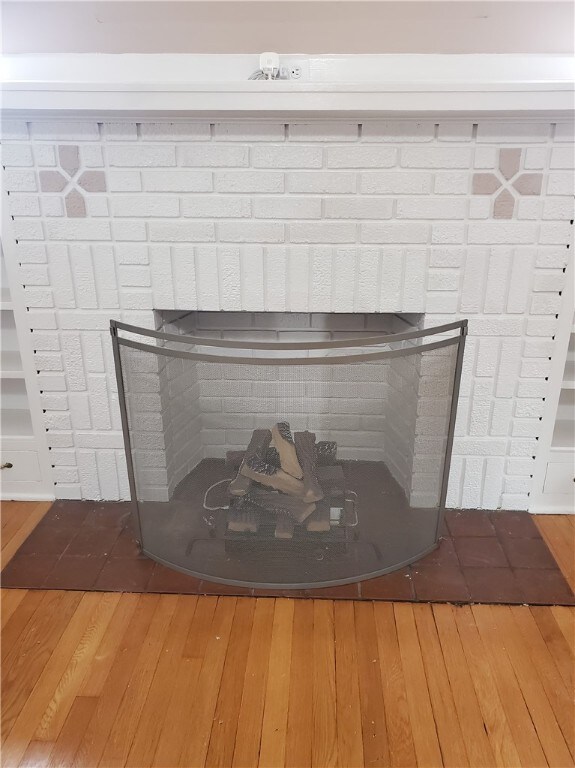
point(452, 219)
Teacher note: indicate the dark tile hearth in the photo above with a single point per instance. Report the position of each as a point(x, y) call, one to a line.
point(461, 522)
point(528, 553)
point(29, 571)
point(133, 574)
point(493, 585)
point(80, 571)
point(480, 552)
point(445, 554)
point(544, 586)
point(397, 585)
point(515, 525)
point(442, 583)
point(492, 557)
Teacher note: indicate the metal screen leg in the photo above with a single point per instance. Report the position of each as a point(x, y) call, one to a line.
point(126, 432)
point(451, 430)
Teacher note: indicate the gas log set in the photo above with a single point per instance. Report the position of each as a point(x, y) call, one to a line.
point(287, 485)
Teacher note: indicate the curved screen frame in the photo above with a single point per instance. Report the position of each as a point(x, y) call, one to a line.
point(353, 343)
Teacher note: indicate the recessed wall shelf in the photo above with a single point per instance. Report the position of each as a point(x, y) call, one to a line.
point(554, 475)
point(22, 442)
point(11, 365)
point(15, 422)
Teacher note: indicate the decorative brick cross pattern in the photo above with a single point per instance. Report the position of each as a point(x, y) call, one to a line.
point(511, 180)
point(72, 181)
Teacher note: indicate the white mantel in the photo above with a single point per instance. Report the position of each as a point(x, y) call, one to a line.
point(362, 85)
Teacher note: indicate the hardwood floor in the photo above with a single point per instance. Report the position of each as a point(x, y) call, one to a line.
point(559, 534)
point(100, 679)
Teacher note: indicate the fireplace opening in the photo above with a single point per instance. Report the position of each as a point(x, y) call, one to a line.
point(288, 450)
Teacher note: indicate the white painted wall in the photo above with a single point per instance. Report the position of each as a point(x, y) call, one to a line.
point(312, 26)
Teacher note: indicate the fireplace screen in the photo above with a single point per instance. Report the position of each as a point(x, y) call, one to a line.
point(287, 463)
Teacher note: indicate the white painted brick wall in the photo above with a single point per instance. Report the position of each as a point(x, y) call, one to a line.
point(330, 216)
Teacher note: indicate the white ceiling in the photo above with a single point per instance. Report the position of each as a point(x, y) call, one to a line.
point(287, 26)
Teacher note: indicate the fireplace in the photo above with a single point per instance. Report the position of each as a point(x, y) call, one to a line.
point(288, 449)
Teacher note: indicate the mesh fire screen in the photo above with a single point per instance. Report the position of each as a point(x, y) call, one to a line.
point(288, 463)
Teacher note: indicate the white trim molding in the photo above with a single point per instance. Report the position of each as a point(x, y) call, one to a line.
point(542, 501)
point(194, 85)
point(40, 487)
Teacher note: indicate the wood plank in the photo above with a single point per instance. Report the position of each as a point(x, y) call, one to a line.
point(485, 685)
point(375, 746)
point(186, 699)
point(401, 747)
point(556, 642)
point(14, 517)
point(562, 548)
point(10, 547)
point(206, 693)
point(300, 712)
point(177, 721)
point(555, 689)
point(13, 509)
point(11, 526)
point(565, 618)
point(126, 721)
point(181, 709)
point(223, 734)
point(17, 623)
point(425, 738)
point(158, 697)
point(80, 714)
point(248, 736)
point(548, 731)
point(200, 629)
point(559, 535)
point(275, 719)
point(10, 600)
point(96, 735)
point(470, 718)
point(348, 701)
point(324, 743)
point(62, 699)
point(442, 702)
point(26, 661)
point(524, 734)
point(37, 755)
point(95, 679)
point(31, 713)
